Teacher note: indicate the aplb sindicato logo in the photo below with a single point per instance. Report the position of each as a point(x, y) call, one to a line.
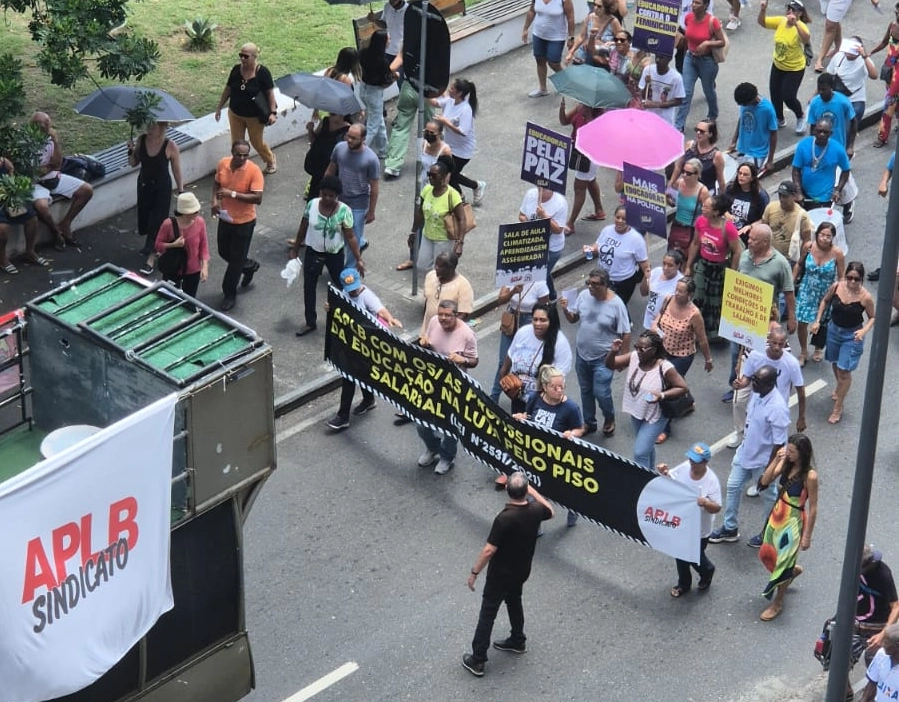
point(62, 569)
point(668, 517)
point(662, 517)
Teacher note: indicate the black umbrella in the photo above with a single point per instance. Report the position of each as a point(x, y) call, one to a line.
point(320, 93)
point(113, 103)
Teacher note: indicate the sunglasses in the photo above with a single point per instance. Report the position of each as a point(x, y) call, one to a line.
point(701, 131)
point(595, 284)
point(853, 278)
point(691, 173)
point(243, 56)
point(620, 40)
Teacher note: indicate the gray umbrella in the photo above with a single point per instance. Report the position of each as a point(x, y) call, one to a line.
point(320, 93)
point(113, 103)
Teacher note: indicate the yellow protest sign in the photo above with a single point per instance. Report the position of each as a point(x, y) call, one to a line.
point(745, 309)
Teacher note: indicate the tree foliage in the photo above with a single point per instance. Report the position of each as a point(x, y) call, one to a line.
point(76, 36)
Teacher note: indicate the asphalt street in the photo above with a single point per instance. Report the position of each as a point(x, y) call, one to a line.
point(356, 556)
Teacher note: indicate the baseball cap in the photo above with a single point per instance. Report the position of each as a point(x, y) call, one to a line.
point(787, 187)
point(699, 452)
point(350, 279)
point(870, 554)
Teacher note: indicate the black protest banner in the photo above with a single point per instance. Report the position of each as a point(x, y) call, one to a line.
point(586, 479)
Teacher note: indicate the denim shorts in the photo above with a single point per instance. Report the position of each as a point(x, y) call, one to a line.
point(546, 49)
point(842, 348)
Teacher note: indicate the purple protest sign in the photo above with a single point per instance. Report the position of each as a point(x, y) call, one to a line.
point(644, 192)
point(544, 159)
point(655, 25)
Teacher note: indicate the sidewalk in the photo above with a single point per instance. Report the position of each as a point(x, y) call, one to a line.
point(276, 312)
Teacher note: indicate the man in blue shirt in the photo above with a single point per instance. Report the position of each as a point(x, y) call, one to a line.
point(755, 139)
point(836, 106)
point(815, 166)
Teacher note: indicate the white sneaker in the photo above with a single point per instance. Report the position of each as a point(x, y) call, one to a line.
point(733, 23)
point(800, 125)
point(427, 459)
point(538, 93)
point(752, 491)
point(735, 441)
point(478, 196)
point(443, 466)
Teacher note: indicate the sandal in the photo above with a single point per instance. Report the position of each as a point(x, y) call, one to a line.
point(608, 428)
point(771, 613)
point(818, 356)
point(10, 268)
point(835, 417)
point(677, 591)
point(38, 261)
point(60, 245)
point(879, 143)
point(797, 571)
point(595, 216)
point(803, 357)
point(271, 168)
point(404, 266)
point(662, 438)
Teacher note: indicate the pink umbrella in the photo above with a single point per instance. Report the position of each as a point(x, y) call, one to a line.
point(639, 137)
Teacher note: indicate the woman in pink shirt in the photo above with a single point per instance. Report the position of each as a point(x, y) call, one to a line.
point(715, 241)
point(702, 32)
point(192, 238)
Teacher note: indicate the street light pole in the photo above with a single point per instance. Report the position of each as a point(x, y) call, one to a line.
point(864, 468)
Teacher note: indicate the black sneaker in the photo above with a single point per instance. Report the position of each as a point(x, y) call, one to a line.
point(365, 406)
point(510, 646)
point(472, 666)
point(337, 422)
point(248, 274)
point(726, 535)
point(874, 275)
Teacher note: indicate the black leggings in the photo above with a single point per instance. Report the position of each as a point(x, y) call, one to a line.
point(458, 179)
point(783, 86)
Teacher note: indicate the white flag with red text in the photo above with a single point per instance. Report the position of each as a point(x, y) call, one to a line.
point(85, 544)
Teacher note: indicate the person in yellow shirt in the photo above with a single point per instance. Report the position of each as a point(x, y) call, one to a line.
point(788, 66)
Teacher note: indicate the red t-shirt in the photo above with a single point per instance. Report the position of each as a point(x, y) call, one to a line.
point(698, 31)
point(713, 243)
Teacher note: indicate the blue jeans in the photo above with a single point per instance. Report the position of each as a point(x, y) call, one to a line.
point(376, 130)
point(706, 70)
point(596, 387)
point(551, 260)
point(738, 477)
point(359, 231)
point(436, 442)
point(645, 434)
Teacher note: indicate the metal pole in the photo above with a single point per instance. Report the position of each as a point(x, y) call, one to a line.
point(423, 51)
point(867, 447)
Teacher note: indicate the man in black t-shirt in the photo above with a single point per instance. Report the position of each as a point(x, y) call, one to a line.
point(509, 551)
point(878, 605)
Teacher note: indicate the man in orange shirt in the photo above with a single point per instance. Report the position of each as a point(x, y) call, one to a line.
point(236, 192)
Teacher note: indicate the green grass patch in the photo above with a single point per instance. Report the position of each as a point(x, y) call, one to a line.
point(304, 36)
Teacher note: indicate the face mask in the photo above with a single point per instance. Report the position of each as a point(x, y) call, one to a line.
point(430, 138)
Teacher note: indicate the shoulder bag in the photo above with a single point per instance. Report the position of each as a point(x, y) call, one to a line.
point(260, 99)
point(172, 261)
point(719, 53)
point(675, 407)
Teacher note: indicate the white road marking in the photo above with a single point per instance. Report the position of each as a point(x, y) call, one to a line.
point(324, 683)
point(810, 390)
